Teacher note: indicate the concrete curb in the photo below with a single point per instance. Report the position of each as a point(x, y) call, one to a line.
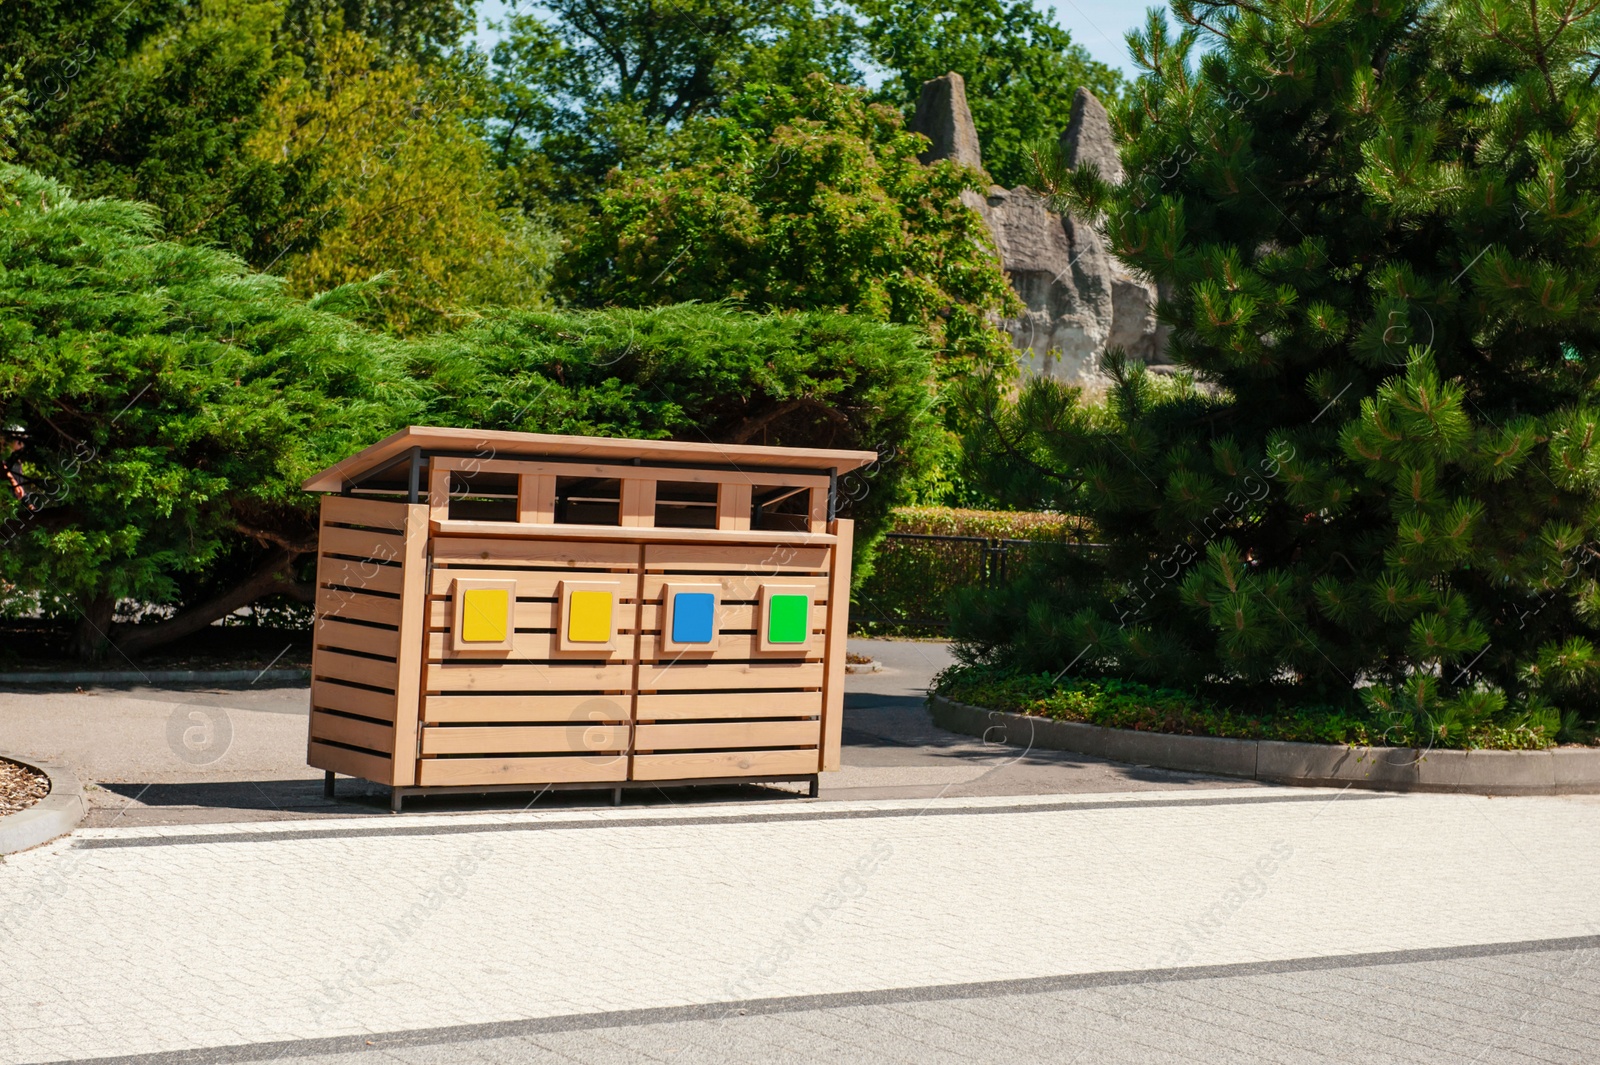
point(157, 676)
point(1560, 771)
point(54, 815)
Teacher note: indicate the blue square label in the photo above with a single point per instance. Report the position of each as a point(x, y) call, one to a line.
point(693, 617)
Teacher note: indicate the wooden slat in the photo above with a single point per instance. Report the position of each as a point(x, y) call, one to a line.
point(637, 508)
point(531, 584)
point(528, 739)
point(673, 707)
point(540, 615)
point(350, 511)
point(326, 663)
point(499, 530)
point(361, 543)
point(344, 636)
point(819, 511)
point(735, 589)
point(590, 708)
point(413, 622)
point(533, 645)
point(545, 554)
point(733, 506)
point(781, 558)
point(357, 606)
point(730, 648)
point(438, 490)
point(838, 629)
point(730, 676)
point(536, 498)
point(730, 617)
point(373, 767)
point(689, 765)
point(327, 695)
point(619, 472)
point(550, 769)
point(727, 734)
point(354, 731)
point(361, 576)
point(461, 676)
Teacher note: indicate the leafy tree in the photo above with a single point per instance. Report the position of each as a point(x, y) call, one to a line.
point(704, 373)
point(155, 100)
point(805, 198)
point(418, 31)
point(1020, 67)
point(586, 87)
point(13, 106)
point(411, 191)
point(170, 403)
point(1379, 226)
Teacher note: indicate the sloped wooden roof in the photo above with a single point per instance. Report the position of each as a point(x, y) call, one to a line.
point(508, 445)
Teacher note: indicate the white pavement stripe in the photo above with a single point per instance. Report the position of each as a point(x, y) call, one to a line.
point(144, 949)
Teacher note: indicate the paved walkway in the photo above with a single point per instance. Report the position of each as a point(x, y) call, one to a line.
point(175, 756)
point(1242, 924)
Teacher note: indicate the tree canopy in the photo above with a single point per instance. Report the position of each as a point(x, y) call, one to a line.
point(1378, 229)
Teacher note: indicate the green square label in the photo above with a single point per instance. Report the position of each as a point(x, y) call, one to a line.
point(788, 618)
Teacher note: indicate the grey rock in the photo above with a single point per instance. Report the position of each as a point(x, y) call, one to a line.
point(1078, 300)
point(1088, 139)
point(943, 117)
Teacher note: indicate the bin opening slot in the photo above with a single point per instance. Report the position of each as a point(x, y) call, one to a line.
point(779, 508)
point(479, 496)
point(686, 505)
point(588, 501)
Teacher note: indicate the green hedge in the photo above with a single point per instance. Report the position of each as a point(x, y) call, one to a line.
point(911, 581)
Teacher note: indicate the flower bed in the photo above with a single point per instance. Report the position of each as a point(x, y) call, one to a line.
point(1113, 703)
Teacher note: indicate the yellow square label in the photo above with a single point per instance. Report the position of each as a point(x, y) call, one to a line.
point(589, 617)
point(485, 615)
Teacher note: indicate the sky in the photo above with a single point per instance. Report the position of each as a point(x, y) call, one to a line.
point(1098, 25)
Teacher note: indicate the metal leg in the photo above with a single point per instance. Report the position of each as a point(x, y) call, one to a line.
point(396, 797)
point(616, 796)
point(327, 784)
point(816, 787)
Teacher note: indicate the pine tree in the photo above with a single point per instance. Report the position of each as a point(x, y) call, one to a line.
point(1380, 225)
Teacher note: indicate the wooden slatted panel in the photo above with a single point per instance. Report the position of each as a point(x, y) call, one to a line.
point(834, 656)
point(524, 739)
point(368, 639)
point(373, 513)
point(729, 648)
point(349, 605)
point(464, 676)
point(592, 708)
point(544, 554)
point(740, 588)
point(367, 766)
point(359, 576)
point(360, 543)
point(331, 696)
point(547, 769)
point(727, 734)
point(375, 672)
point(729, 676)
point(717, 558)
point(703, 705)
point(694, 765)
point(352, 731)
point(538, 646)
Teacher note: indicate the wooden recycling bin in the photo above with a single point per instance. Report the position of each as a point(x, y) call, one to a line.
point(509, 611)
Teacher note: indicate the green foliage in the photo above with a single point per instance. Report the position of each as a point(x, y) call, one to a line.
point(912, 580)
point(804, 199)
point(1378, 230)
point(584, 89)
point(411, 192)
point(170, 402)
point(1021, 69)
point(13, 105)
point(155, 100)
point(697, 372)
point(1113, 703)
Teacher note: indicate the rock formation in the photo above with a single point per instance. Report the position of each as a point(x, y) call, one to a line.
point(1078, 300)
